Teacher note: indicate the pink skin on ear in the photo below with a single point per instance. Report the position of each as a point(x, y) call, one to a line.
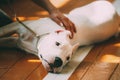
point(66, 31)
point(58, 31)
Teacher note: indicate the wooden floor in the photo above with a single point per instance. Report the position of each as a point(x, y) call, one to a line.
point(102, 63)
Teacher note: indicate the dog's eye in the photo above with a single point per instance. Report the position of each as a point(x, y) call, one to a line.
point(57, 43)
point(67, 58)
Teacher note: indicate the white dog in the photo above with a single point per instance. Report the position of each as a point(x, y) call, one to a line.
point(94, 22)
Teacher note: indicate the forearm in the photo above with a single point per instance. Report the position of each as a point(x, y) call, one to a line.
point(46, 4)
point(56, 15)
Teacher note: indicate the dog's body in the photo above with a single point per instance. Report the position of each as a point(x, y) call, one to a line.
point(94, 22)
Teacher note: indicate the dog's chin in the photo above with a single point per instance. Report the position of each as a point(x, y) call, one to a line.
point(56, 70)
point(53, 70)
point(46, 66)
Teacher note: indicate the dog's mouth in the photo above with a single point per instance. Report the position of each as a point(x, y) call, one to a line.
point(52, 66)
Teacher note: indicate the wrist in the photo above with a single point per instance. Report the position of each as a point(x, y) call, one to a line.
point(54, 10)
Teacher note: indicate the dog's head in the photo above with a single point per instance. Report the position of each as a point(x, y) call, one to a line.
point(55, 50)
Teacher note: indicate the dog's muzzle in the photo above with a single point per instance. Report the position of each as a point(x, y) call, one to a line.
point(56, 64)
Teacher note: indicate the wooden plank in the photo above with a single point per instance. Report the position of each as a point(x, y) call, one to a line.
point(8, 57)
point(87, 62)
point(22, 69)
point(38, 74)
point(99, 71)
point(116, 74)
point(2, 71)
point(92, 62)
point(105, 64)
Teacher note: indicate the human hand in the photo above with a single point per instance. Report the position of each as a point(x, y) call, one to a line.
point(62, 20)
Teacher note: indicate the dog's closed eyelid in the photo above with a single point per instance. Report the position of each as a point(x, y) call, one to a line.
point(67, 58)
point(57, 43)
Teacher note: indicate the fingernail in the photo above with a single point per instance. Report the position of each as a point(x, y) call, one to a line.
point(71, 36)
point(61, 24)
point(75, 30)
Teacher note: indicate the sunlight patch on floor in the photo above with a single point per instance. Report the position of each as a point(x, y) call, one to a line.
point(33, 60)
point(110, 58)
point(44, 13)
point(56, 3)
point(117, 45)
point(27, 18)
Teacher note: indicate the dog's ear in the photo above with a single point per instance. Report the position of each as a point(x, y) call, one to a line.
point(64, 32)
point(58, 31)
point(68, 33)
point(75, 47)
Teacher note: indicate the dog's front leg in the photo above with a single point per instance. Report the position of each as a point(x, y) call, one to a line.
point(8, 29)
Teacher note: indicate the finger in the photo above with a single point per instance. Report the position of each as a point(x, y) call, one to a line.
point(67, 26)
point(65, 22)
point(61, 24)
point(71, 36)
point(71, 30)
point(56, 20)
point(72, 26)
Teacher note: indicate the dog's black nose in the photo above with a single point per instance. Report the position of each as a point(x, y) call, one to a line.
point(58, 62)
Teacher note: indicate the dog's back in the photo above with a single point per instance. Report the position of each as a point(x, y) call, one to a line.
point(95, 22)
